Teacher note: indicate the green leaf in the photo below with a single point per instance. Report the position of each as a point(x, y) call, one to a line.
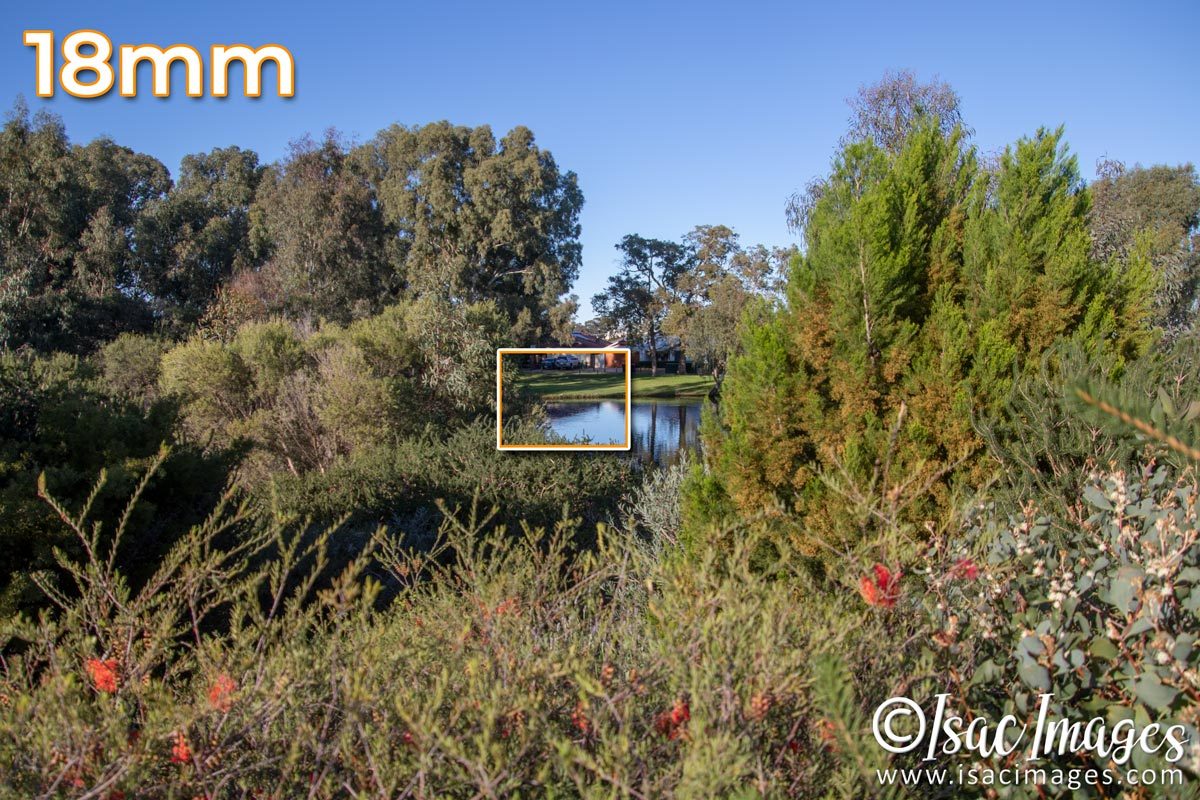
point(1123, 591)
point(1168, 405)
point(1102, 647)
point(1154, 693)
point(1034, 674)
point(1096, 496)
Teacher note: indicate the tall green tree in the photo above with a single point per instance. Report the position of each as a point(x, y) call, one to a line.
point(319, 231)
point(926, 283)
point(190, 242)
point(636, 298)
point(67, 217)
point(474, 218)
point(723, 282)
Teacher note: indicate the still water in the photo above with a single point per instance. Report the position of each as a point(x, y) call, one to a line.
point(660, 428)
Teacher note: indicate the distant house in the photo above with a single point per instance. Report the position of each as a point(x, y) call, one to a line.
point(669, 353)
point(613, 360)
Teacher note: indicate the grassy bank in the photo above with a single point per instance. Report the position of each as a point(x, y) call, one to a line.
point(605, 386)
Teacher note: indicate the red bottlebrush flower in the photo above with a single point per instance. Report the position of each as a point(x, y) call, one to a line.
point(509, 605)
point(103, 674)
point(881, 589)
point(673, 723)
point(966, 568)
point(680, 712)
point(181, 753)
point(220, 694)
point(407, 737)
point(760, 706)
point(580, 720)
point(827, 733)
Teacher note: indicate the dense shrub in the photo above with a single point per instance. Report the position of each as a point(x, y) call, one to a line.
point(520, 668)
point(401, 484)
point(927, 286)
point(1103, 616)
point(130, 366)
point(1049, 444)
point(298, 402)
point(59, 418)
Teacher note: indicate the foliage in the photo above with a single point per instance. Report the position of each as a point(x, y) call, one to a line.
point(516, 669)
point(1156, 209)
point(653, 509)
point(507, 663)
point(1048, 443)
point(193, 240)
point(130, 366)
point(404, 485)
point(95, 240)
point(67, 266)
point(300, 402)
point(479, 219)
point(1102, 616)
point(317, 225)
point(636, 299)
point(885, 114)
point(723, 285)
point(928, 285)
point(60, 421)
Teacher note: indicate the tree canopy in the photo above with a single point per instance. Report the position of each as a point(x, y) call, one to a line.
point(927, 282)
point(96, 240)
point(636, 298)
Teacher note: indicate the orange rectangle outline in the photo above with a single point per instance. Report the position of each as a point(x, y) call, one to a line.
point(503, 351)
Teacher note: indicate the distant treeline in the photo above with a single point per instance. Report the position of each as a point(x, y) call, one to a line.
point(98, 239)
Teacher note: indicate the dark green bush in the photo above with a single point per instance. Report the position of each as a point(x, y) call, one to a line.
point(57, 418)
point(400, 484)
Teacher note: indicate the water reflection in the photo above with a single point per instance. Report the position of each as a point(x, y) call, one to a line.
point(660, 428)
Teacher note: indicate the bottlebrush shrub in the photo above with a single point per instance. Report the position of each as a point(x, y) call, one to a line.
point(1105, 617)
point(508, 665)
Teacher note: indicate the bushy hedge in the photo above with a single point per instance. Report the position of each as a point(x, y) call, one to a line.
point(519, 666)
point(402, 484)
point(299, 401)
point(1103, 616)
point(61, 417)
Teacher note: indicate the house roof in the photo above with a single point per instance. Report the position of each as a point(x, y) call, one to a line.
point(582, 339)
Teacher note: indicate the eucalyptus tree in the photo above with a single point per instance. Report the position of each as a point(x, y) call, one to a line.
point(636, 299)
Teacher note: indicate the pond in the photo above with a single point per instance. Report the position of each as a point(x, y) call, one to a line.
point(660, 428)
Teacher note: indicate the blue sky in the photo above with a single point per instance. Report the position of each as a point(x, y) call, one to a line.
point(673, 114)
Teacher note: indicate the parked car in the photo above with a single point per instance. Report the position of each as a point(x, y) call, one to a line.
point(561, 362)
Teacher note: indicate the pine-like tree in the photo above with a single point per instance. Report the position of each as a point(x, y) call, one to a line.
point(927, 283)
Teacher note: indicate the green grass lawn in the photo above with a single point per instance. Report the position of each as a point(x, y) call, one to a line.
point(554, 385)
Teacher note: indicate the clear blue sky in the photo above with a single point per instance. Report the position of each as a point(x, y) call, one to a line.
point(673, 114)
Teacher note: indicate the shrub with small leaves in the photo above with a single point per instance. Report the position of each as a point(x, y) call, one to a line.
point(1105, 618)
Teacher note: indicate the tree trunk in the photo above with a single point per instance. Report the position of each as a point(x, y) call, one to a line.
point(653, 350)
point(650, 453)
point(683, 415)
